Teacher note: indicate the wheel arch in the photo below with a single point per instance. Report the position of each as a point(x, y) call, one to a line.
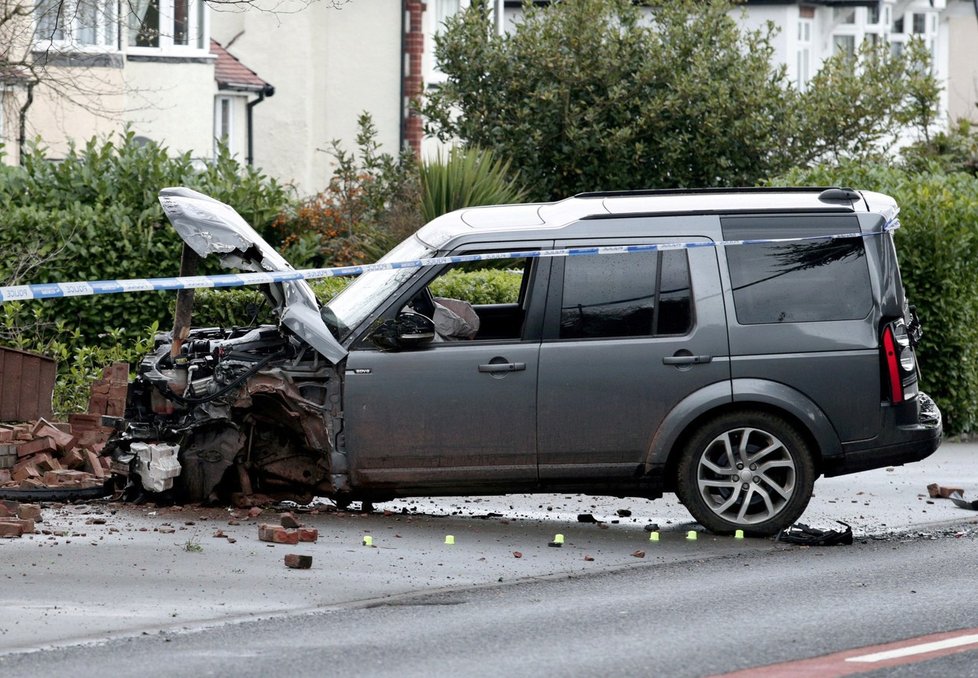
point(757, 395)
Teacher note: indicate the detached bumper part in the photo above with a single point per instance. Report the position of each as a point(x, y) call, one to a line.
point(157, 465)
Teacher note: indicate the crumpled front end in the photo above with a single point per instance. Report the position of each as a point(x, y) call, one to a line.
point(240, 415)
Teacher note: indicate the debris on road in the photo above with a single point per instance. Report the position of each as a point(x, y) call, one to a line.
point(517, 554)
point(638, 554)
point(17, 519)
point(804, 535)
point(298, 562)
point(940, 492)
point(586, 518)
point(958, 499)
point(43, 457)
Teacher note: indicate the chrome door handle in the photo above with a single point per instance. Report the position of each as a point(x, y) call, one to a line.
point(686, 359)
point(502, 367)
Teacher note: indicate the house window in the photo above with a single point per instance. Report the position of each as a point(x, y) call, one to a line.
point(77, 24)
point(444, 10)
point(224, 123)
point(804, 57)
point(845, 44)
point(166, 26)
point(919, 24)
point(844, 15)
point(873, 14)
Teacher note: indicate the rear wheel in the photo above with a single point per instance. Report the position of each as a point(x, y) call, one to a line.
point(750, 471)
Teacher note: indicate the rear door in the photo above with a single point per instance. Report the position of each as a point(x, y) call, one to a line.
point(805, 314)
point(626, 337)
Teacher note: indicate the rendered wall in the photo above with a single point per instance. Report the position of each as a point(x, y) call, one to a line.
point(327, 66)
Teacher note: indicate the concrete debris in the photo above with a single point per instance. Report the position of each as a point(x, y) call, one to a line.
point(940, 492)
point(298, 562)
point(64, 455)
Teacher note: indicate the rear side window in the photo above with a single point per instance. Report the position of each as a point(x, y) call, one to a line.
point(807, 281)
point(626, 295)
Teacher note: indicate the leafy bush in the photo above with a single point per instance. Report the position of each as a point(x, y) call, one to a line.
point(479, 287)
point(937, 244)
point(615, 94)
point(239, 306)
point(95, 215)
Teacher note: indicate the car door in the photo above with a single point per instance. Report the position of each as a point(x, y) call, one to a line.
point(626, 337)
point(454, 415)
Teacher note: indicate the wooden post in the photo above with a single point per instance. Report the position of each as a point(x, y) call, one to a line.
point(189, 260)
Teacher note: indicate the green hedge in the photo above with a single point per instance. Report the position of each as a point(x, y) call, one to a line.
point(937, 245)
point(230, 307)
point(94, 215)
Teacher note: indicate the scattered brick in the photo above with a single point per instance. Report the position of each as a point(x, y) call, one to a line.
point(10, 528)
point(308, 534)
point(37, 446)
point(29, 512)
point(63, 441)
point(93, 464)
point(277, 534)
point(298, 562)
point(24, 470)
point(288, 520)
point(73, 458)
point(939, 491)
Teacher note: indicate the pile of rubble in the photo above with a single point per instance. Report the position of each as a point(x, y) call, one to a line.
point(17, 519)
point(43, 454)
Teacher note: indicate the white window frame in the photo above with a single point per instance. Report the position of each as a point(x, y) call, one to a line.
point(220, 133)
point(198, 29)
point(106, 27)
point(803, 60)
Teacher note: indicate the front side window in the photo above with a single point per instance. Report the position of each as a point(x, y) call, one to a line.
point(810, 280)
point(77, 24)
point(166, 25)
point(626, 295)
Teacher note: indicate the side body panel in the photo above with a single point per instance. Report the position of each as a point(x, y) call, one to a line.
point(601, 400)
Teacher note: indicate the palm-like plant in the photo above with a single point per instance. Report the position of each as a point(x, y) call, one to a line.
point(465, 177)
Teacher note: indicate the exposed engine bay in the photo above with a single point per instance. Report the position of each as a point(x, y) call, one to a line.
point(235, 414)
point(249, 411)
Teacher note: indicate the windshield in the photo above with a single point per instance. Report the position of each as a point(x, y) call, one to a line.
point(352, 306)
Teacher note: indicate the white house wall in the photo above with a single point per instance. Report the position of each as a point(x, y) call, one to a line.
point(962, 60)
point(74, 103)
point(327, 66)
point(172, 103)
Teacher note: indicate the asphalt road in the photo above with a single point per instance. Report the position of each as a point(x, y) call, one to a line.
point(188, 591)
point(691, 618)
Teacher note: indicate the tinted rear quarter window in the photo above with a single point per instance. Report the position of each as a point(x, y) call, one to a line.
point(808, 281)
point(626, 295)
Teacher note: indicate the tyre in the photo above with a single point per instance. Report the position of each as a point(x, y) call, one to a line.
point(749, 471)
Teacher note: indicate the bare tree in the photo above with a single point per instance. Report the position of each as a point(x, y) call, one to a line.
point(72, 50)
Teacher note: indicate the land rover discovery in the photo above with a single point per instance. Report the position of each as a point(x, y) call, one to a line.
point(726, 345)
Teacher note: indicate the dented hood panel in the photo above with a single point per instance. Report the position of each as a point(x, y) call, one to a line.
point(209, 227)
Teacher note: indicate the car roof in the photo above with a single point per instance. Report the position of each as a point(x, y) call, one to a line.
point(553, 215)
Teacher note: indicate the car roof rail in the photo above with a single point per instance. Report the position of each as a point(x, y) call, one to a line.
point(701, 191)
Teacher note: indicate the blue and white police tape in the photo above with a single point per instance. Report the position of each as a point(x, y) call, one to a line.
point(79, 289)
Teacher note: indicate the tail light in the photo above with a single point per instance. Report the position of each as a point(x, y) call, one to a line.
point(900, 365)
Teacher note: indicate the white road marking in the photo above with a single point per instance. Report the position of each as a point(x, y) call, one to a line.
point(911, 650)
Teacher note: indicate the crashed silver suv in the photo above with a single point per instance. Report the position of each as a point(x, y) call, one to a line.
point(726, 345)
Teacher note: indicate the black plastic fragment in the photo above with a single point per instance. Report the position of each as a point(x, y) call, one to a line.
point(799, 533)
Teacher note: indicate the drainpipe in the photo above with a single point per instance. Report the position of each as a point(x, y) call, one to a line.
point(404, 26)
point(268, 90)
